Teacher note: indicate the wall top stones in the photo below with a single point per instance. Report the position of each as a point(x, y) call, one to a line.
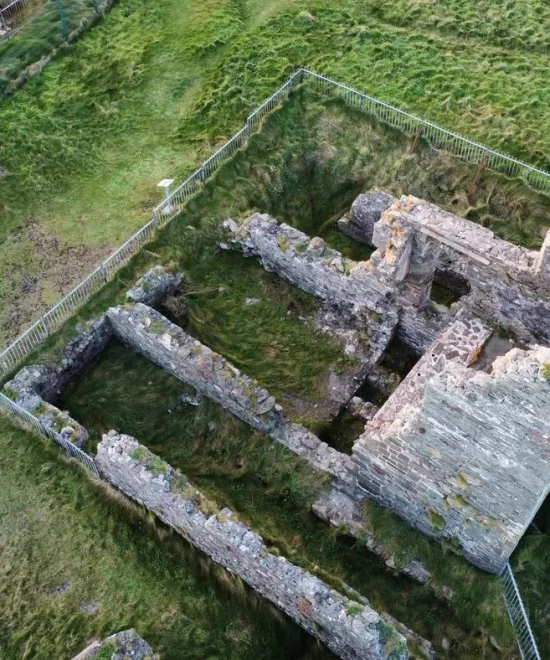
point(155, 285)
point(469, 238)
point(464, 454)
point(124, 645)
point(351, 629)
point(187, 359)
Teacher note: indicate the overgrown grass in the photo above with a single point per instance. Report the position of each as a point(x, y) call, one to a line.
point(38, 31)
point(58, 529)
point(272, 490)
point(153, 88)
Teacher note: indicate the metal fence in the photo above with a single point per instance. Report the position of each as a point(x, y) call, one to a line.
point(438, 137)
point(7, 10)
point(30, 420)
point(518, 616)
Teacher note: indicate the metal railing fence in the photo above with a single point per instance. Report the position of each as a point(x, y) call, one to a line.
point(30, 420)
point(162, 214)
point(7, 10)
point(518, 616)
point(438, 137)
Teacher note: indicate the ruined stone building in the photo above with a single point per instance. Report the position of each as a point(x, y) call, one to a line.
point(460, 449)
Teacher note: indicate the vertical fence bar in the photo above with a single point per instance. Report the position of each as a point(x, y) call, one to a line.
point(518, 616)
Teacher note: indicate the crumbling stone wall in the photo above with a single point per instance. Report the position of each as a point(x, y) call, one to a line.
point(36, 388)
point(363, 287)
point(462, 454)
point(167, 345)
point(351, 629)
point(155, 285)
point(508, 284)
point(122, 645)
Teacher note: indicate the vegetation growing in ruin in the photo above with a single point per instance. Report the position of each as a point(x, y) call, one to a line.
point(60, 531)
point(151, 90)
point(285, 172)
point(272, 490)
point(148, 94)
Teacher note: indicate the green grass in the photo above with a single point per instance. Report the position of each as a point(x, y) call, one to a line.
point(58, 527)
point(37, 32)
point(154, 88)
point(272, 490)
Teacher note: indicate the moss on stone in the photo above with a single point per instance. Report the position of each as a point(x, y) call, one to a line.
point(283, 243)
point(354, 610)
point(396, 646)
point(107, 651)
point(139, 454)
point(437, 521)
point(158, 466)
point(545, 371)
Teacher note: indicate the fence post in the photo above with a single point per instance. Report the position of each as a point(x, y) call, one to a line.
point(62, 19)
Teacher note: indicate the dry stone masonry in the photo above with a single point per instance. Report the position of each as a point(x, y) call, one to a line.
point(155, 285)
point(351, 629)
point(124, 645)
point(167, 345)
point(469, 465)
point(505, 283)
point(373, 292)
point(472, 462)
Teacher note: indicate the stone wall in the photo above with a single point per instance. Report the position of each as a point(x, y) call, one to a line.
point(352, 630)
point(463, 454)
point(363, 287)
point(154, 336)
point(508, 284)
point(123, 645)
point(155, 285)
point(36, 388)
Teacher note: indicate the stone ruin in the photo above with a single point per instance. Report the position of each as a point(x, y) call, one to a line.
point(350, 628)
point(461, 447)
point(121, 645)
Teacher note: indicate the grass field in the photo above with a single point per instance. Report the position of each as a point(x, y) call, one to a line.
point(80, 562)
point(150, 91)
point(343, 154)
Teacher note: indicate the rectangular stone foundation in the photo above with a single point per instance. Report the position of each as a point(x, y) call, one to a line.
point(349, 628)
point(148, 332)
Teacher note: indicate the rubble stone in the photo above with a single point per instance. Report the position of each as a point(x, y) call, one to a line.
point(126, 644)
point(155, 285)
point(351, 629)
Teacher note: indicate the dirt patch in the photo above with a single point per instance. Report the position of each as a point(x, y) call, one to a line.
point(36, 270)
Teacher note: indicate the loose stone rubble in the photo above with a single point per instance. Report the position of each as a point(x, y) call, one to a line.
point(154, 336)
point(351, 629)
point(124, 645)
point(155, 285)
